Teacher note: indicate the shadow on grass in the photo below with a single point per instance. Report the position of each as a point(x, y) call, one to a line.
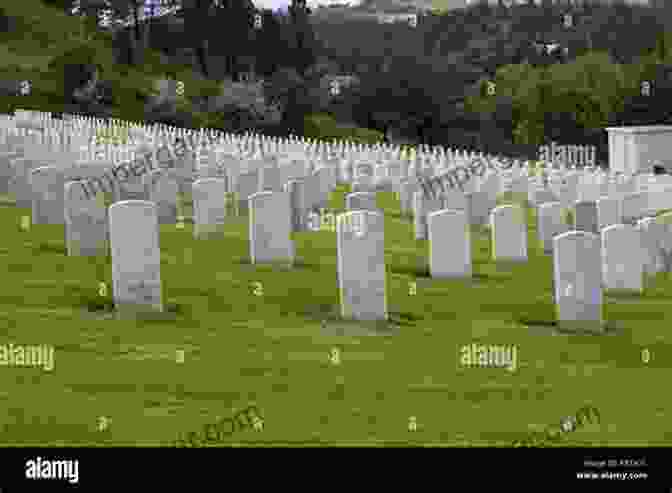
point(418, 271)
point(171, 311)
point(404, 319)
point(51, 247)
point(484, 277)
point(104, 306)
point(650, 293)
point(406, 216)
point(98, 305)
point(623, 294)
point(610, 327)
point(479, 229)
point(299, 263)
point(348, 327)
point(329, 317)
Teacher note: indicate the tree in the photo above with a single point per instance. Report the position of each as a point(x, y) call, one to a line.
point(78, 68)
point(304, 49)
point(291, 92)
point(270, 44)
point(222, 27)
point(64, 5)
point(130, 8)
point(120, 13)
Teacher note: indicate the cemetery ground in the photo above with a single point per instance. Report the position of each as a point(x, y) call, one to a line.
point(235, 335)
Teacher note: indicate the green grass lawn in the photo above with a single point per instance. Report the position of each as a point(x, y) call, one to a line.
point(272, 349)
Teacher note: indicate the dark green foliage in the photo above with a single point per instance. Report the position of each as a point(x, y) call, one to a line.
point(424, 78)
point(324, 127)
point(77, 67)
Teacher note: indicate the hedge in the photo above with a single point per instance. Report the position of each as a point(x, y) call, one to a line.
point(324, 127)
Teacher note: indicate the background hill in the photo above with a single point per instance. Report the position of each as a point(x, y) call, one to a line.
point(546, 77)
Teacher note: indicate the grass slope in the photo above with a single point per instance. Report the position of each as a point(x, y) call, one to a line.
point(273, 350)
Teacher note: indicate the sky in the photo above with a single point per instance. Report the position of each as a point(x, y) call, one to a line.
point(274, 5)
point(282, 4)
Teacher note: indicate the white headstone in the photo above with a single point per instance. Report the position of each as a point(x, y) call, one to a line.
point(297, 190)
point(491, 185)
point(269, 177)
point(422, 206)
point(651, 235)
point(363, 179)
point(271, 228)
point(86, 225)
point(623, 258)
point(19, 185)
point(326, 182)
point(479, 205)
point(509, 233)
point(550, 223)
point(210, 206)
point(162, 189)
point(136, 258)
point(291, 171)
point(6, 172)
point(608, 212)
point(48, 187)
point(585, 216)
point(247, 184)
point(361, 201)
point(633, 207)
point(665, 242)
point(577, 276)
point(407, 190)
point(449, 244)
point(567, 194)
point(133, 188)
point(541, 196)
point(519, 186)
point(455, 199)
point(360, 243)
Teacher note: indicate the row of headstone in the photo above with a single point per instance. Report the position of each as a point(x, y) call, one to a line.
point(439, 221)
point(245, 196)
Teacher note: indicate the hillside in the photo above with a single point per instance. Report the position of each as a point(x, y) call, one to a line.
point(423, 81)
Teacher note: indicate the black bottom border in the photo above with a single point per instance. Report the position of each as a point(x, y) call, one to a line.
point(633, 469)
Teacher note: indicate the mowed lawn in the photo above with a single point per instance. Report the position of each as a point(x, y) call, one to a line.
point(269, 344)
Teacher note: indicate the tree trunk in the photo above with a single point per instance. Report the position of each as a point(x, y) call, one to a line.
point(202, 54)
point(129, 48)
point(136, 39)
